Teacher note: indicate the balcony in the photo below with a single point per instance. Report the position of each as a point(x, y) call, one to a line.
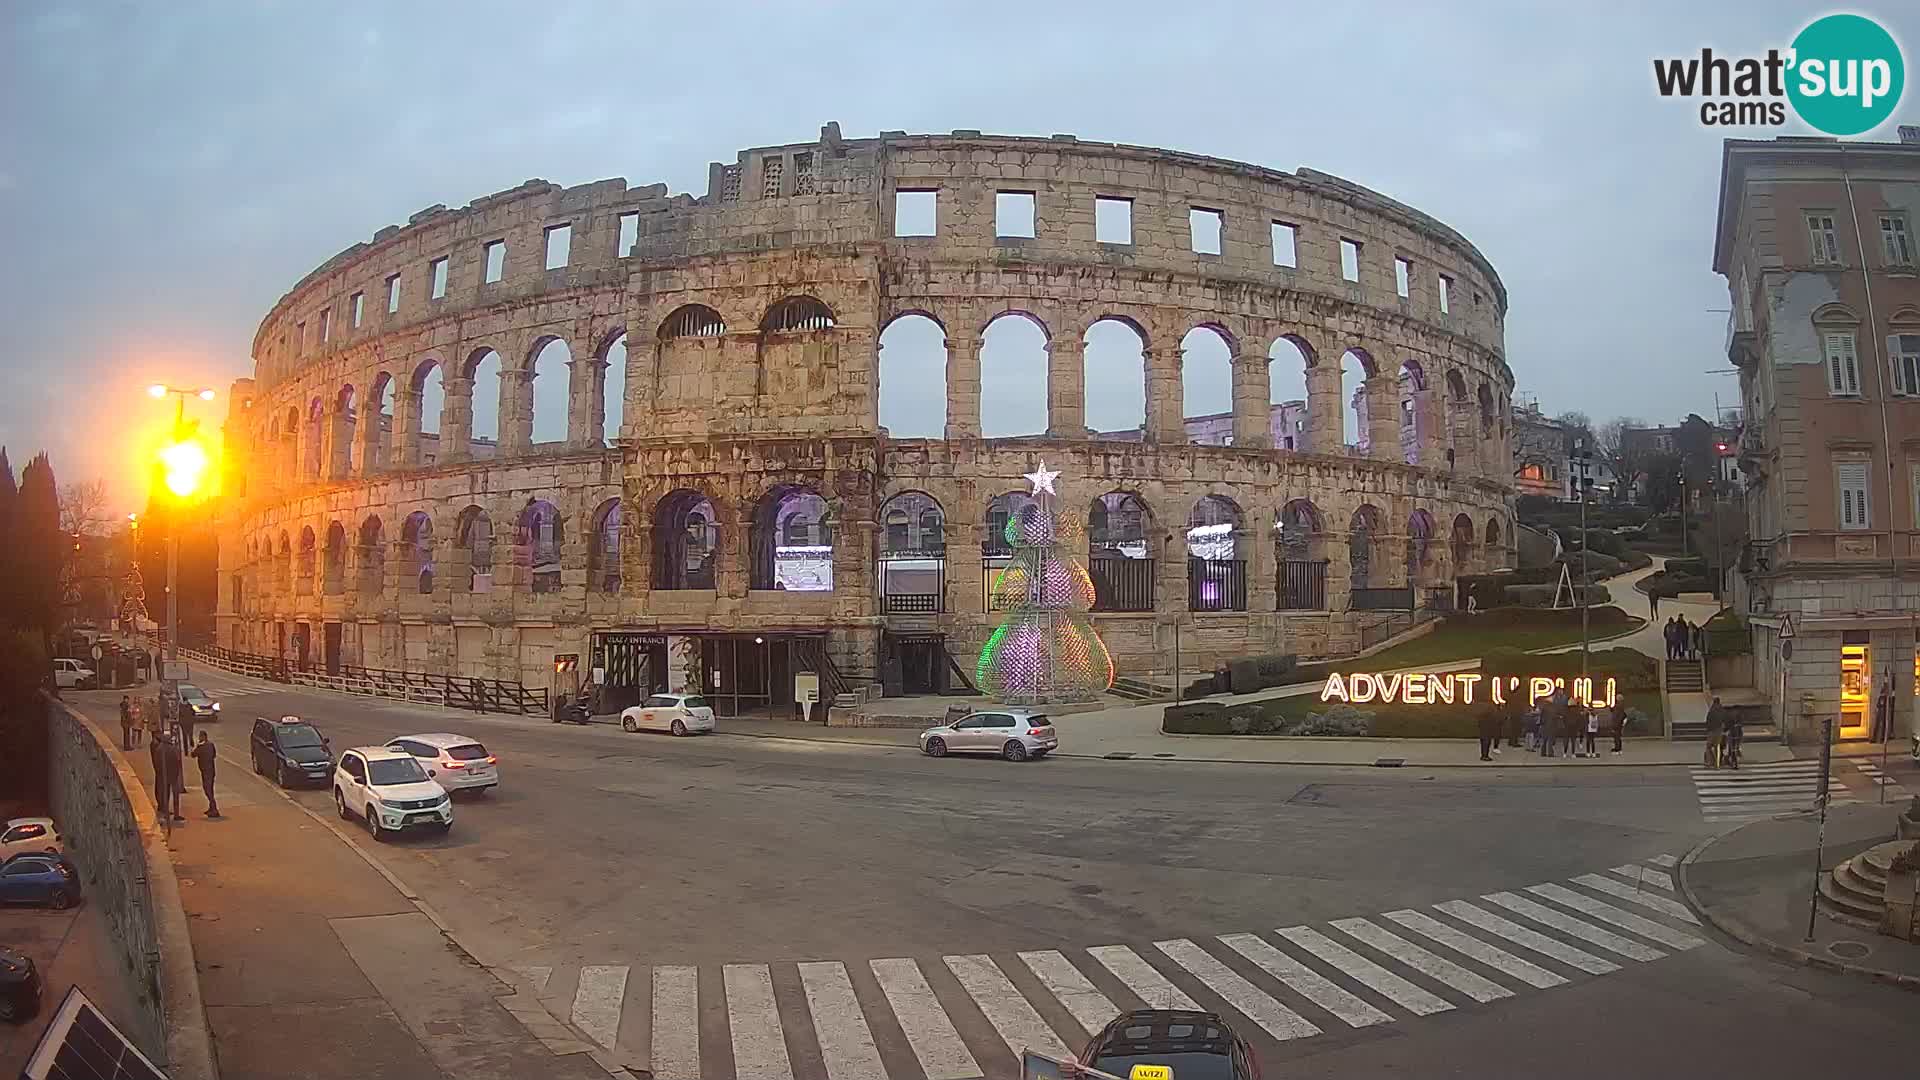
point(1742, 345)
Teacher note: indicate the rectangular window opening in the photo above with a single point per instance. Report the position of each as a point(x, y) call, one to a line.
point(439, 277)
point(1843, 365)
point(1205, 228)
point(559, 245)
point(915, 213)
point(496, 261)
point(629, 234)
point(1013, 213)
point(1112, 220)
point(358, 302)
point(1895, 240)
point(1402, 277)
point(1824, 239)
point(1285, 237)
point(1446, 294)
point(326, 325)
point(1905, 351)
point(299, 338)
point(393, 293)
point(1855, 509)
point(1350, 259)
point(772, 172)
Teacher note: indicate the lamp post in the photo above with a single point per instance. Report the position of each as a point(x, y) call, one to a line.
point(183, 461)
point(1581, 456)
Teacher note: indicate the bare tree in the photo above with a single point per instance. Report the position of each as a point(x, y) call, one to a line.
point(83, 507)
point(1627, 463)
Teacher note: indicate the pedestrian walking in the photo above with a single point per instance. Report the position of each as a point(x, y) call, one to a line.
point(1736, 730)
point(1617, 718)
point(1489, 732)
point(1716, 732)
point(1667, 632)
point(1593, 730)
point(203, 754)
point(126, 722)
point(1882, 711)
point(1653, 606)
point(139, 724)
point(168, 779)
point(1699, 640)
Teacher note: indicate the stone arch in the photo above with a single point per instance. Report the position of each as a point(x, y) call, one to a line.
point(416, 536)
point(912, 355)
point(1495, 543)
point(370, 556)
point(538, 541)
point(687, 358)
point(333, 556)
point(1461, 545)
point(1486, 410)
point(603, 548)
point(1356, 368)
point(312, 438)
point(473, 535)
point(911, 575)
point(1216, 556)
point(484, 403)
point(1013, 375)
point(1001, 509)
point(1415, 414)
point(309, 548)
point(545, 392)
point(692, 320)
point(1206, 384)
point(790, 541)
point(342, 421)
point(1300, 541)
point(612, 391)
point(1114, 384)
point(1420, 533)
point(1288, 395)
point(799, 314)
point(686, 540)
point(1121, 543)
point(1363, 536)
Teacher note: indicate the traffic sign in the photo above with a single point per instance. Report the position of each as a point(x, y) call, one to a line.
point(97, 654)
point(1786, 649)
point(1786, 627)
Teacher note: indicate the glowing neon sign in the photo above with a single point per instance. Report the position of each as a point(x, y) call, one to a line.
point(1447, 688)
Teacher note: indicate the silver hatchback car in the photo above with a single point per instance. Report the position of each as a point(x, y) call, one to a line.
point(1014, 734)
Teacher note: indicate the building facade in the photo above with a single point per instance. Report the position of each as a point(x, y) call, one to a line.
point(1816, 242)
point(748, 504)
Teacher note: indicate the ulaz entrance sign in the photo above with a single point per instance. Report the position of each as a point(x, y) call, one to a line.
point(1448, 688)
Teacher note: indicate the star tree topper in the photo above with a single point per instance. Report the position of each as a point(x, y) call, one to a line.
point(1042, 480)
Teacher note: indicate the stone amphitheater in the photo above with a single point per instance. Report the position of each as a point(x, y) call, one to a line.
point(723, 485)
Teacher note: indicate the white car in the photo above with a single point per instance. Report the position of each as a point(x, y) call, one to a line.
point(390, 791)
point(23, 834)
point(455, 762)
point(73, 675)
point(682, 714)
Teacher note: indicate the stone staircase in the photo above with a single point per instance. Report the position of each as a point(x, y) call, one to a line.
point(1855, 890)
point(1140, 689)
point(1686, 676)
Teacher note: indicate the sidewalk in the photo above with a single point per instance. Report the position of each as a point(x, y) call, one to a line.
point(1753, 884)
point(313, 966)
point(70, 948)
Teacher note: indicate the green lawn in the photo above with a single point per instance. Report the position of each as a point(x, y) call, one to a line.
point(1462, 639)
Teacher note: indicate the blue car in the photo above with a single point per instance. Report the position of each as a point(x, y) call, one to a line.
point(39, 879)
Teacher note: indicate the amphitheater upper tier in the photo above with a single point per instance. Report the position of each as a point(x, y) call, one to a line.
point(722, 468)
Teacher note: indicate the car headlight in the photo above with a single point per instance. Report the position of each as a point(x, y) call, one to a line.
point(216, 706)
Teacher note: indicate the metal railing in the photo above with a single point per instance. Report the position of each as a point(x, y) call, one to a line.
point(455, 691)
point(1121, 583)
point(1374, 633)
point(1216, 584)
point(1303, 585)
point(918, 600)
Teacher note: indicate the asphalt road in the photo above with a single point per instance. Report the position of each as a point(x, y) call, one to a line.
point(730, 859)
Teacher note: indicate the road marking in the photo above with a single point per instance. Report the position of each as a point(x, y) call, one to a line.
point(759, 1045)
point(1642, 897)
point(537, 974)
point(1645, 876)
point(1278, 1020)
point(928, 1030)
point(1585, 931)
point(1064, 981)
point(1625, 920)
point(1467, 945)
point(1419, 959)
point(1527, 939)
point(1305, 981)
point(675, 1025)
point(1664, 860)
point(597, 1002)
point(1146, 982)
point(1364, 971)
point(1016, 1021)
point(846, 1043)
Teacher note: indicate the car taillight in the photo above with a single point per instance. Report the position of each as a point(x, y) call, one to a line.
point(491, 760)
point(1036, 731)
point(456, 764)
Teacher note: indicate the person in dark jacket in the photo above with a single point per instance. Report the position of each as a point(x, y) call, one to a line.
point(1489, 732)
point(167, 775)
point(203, 754)
point(126, 722)
point(1716, 731)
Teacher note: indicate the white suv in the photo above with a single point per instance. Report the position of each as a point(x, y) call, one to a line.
point(389, 791)
point(455, 762)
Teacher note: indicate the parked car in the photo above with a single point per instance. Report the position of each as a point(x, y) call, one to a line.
point(390, 791)
point(682, 714)
point(19, 986)
point(194, 701)
point(71, 674)
point(35, 878)
point(291, 751)
point(29, 834)
point(1178, 1043)
point(455, 762)
point(1014, 734)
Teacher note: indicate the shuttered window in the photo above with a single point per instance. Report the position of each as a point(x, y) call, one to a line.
point(1843, 366)
point(1851, 479)
point(1903, 354)
point(1824, 238)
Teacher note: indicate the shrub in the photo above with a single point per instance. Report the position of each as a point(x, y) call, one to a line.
point(1194, 718)
point(1251, 673)
point(1341, 719)
point(1727, 635)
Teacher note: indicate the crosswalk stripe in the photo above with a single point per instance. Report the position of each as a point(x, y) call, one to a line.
point(1422, 961)
point(1146, 982)
point(1305, 981)
point(675, 1024)
point(1645, 876)
point(1642, 897)
point(1625, 920)
point(1467, 945)
point(1760, 788)
point(1765, 767)
point(537, 975)
point(1579, 928)
point(1365, 972)
point(1278, 1020)
point(1064, 981)
point(924, 1022)
point(1002, 1005)
point(759, 1044)
point(1664, 860)
point(846, 1043)
point(597, 1002)
point(1525, 938)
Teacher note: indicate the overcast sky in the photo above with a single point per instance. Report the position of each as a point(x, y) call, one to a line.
point(167, 171)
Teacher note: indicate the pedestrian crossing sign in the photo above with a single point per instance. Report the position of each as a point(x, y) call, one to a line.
point(1786, 627)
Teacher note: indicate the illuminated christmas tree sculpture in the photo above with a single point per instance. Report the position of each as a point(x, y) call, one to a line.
point(1046, 650)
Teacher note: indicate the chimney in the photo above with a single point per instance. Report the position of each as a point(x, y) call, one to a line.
point(1910, 134)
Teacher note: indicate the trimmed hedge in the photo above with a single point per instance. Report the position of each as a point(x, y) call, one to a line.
point(1727, 635)
point(1541, 596)
point(1632, 669)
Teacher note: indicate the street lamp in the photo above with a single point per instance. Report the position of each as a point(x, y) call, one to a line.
point(183, 463)
point(1582, 456)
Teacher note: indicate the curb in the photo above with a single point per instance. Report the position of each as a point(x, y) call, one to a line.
point(1741, 932)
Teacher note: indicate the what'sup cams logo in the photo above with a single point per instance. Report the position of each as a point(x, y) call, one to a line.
point(1843, 75)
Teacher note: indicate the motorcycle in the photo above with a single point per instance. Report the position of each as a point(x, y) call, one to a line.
point(577, 711)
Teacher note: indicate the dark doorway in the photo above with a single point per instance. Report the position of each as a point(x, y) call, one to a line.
point(636, 666)
point(752, 674)
point(914, 664)
point(333, 648)
point(303, 646)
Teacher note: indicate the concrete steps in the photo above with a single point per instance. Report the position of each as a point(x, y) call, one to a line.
point(1857, 886)
point(1140, 690)
point(1686, 677)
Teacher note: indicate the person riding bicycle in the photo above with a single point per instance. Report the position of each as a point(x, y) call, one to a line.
point(1735, 729)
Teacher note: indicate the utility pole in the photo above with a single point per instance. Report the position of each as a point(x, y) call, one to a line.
point(1581, 455)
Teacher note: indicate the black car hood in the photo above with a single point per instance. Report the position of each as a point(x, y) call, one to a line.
point(306, 759)
point(15, 966)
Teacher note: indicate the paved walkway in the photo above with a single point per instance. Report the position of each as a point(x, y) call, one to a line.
point(70, 948)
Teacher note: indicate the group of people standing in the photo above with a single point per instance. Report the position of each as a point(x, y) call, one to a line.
point(169, 748)
point(1553, 727)
point(1685, 640)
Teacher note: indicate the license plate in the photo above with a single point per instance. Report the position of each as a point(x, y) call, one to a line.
point(479, 772)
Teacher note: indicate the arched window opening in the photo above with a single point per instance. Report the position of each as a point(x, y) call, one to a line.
point(613, 388)
point(1420, 531)
point(308, 550)
point(1413, 432)
point(1116, 380)
point(1486, 410)
point(1121, 559)
point(1300, 542)
point(417, 535)
point(476, 547)
point(370, 557)
point(1216, 566)
point(313, 436)
point(1461, 543)
point(1496, 553)
point(1013, 377)
point(536, 546)
point(1291, 420)
point(484, 438)
point(1206, 386)
point(692, 320)
point(913, 378)
point(791, 543)
point(1354, 372)
point(340, 440)
point(1368, 588)
point(334, 570)
point(686, 541)
point(283, 571)
point(603, 549)
point(913, 555)
point(797, 314)
point(380, 415)
point(552, 368)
